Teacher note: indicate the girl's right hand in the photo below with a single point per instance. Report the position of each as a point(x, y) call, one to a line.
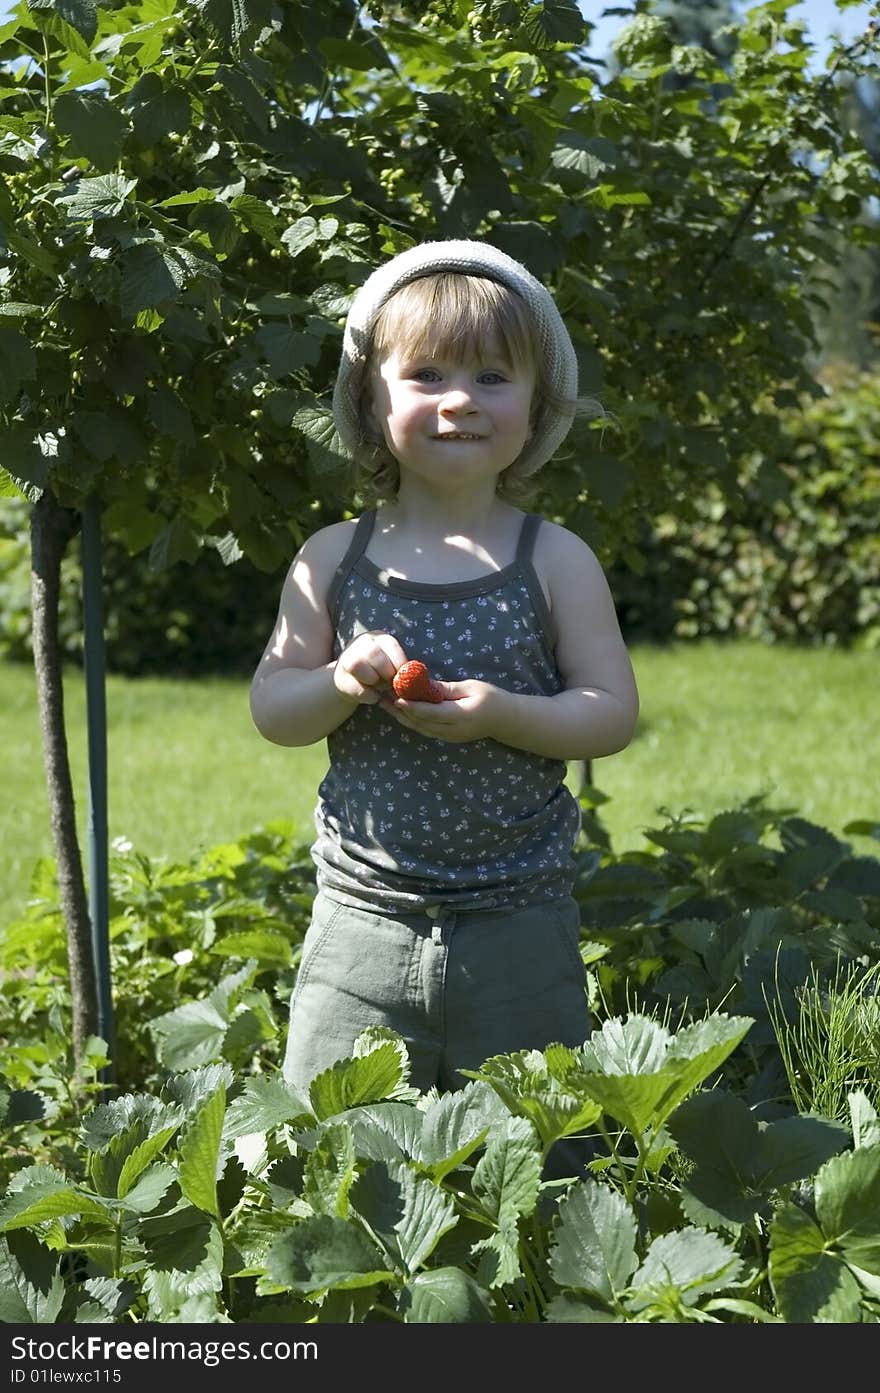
point(365, 668)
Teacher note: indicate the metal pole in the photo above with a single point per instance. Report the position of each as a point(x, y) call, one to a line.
point(96, 719)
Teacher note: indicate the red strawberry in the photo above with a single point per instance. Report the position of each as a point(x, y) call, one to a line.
point(413, 681)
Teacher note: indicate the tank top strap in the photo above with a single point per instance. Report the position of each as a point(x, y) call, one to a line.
point(356, 548)
point(524, 550)
point(527, 534)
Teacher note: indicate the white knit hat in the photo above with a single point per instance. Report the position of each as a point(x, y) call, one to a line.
point(468, 259)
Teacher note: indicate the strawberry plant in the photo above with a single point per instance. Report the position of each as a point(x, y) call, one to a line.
point(721, 1188)
point(219, 1200)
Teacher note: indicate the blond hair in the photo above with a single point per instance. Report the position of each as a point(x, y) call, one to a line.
point(448, 312)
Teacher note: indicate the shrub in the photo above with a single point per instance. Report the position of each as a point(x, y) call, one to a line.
point(800, 562)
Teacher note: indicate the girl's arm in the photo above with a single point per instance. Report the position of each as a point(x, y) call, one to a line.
point(300, 692)
point(596, 713)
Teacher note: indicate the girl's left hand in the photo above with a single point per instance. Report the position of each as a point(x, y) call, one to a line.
point(466, 712)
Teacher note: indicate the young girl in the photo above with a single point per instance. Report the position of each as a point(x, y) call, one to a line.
point(444, 828)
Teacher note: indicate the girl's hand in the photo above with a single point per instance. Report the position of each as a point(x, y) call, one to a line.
point(467, 711)
point(365, 668)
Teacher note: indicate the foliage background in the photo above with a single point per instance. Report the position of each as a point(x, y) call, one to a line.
point(192, 192)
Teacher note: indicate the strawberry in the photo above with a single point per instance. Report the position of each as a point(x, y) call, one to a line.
point(413, 681)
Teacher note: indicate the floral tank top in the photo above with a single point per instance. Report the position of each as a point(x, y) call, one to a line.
point(404, 821)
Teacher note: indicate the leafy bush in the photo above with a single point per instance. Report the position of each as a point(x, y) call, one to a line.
point(189, 619)
point(795, 555)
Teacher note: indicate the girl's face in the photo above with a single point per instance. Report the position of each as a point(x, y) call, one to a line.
point(453, 421)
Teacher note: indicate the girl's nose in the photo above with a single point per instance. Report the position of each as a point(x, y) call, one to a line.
point(457, 398)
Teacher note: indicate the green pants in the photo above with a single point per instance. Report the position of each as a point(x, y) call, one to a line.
point(458, 986)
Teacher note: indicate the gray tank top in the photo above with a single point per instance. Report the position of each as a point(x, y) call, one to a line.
point(405, 821)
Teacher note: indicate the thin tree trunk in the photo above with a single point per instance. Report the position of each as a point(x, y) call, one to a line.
point(51, 529)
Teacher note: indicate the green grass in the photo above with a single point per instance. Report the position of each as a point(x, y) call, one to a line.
point(718, 724)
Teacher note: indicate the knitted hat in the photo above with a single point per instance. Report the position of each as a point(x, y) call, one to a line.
point(469, 259)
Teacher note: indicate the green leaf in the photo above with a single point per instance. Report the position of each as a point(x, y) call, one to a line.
point(31, 1286)
point(555, 21)
point(524, 1083)
point(171, 416)
point(864, 827)
point(349, 1082)
point(190, 1089)
point(286, 349)
point(104, 196)
point(157, 110)
point(233, 19)
point(406, 1211)
point(326, 451)
point(81, 15)
point(39, 1200)
point(639, 1073)
point(100, 1126)
point(257, 216)
point(140, 1157)
point(177, 1284)
point(108, 435)
point(685, 1265)
point(569, 1310)
point(271, 949)
point(330, 1170)
point(847, 1199)
point(199, 195)
point(8, 486)
point(151, 276)
point(864, 1120)
point(386, 1131)
point(499, 1258)
point(593, 1246)
point(740, 1160)
point(809, 1282)
point(22, 457)
point(586, 155)
point(507, 1177)
point(190, 1034)
point(178, 1241)
point(200, 1154)
point(263, 1105)
point(106, 1165)
point(300, 235)
point(360, 57)
point(446, 1295)
point(17, 363)
point(455, 1125)
point(179, 541)
point(111, 1298)
point(152, 1187)
point(96, 129)
point(21, 1105)
point(325, 1252)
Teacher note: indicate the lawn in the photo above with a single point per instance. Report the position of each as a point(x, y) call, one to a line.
point(719, 722)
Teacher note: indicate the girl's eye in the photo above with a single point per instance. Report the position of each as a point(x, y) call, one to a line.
point(491, 378)
point(426, 375)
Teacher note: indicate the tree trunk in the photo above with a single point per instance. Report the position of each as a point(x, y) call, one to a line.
point(51, 529)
